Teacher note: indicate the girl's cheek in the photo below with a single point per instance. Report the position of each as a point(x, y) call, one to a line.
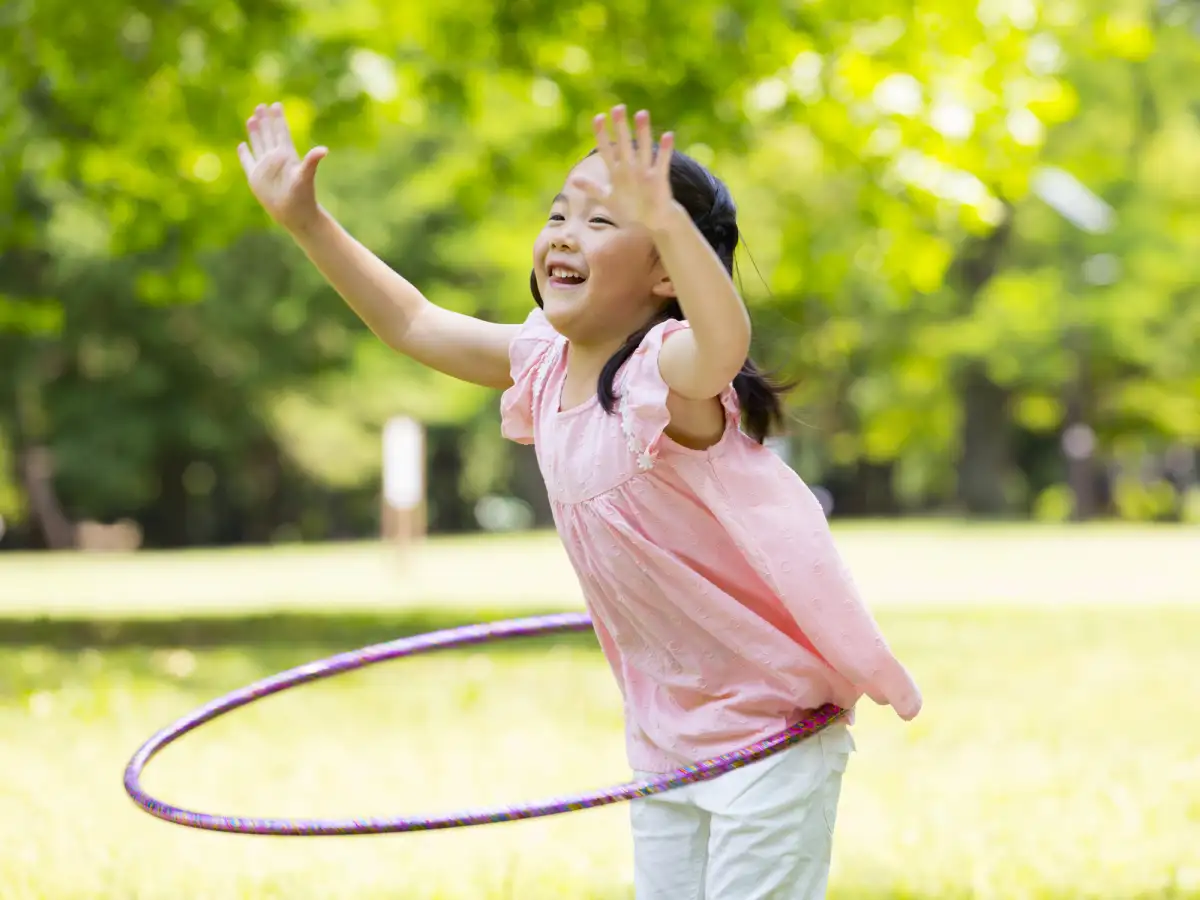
point(539, 246)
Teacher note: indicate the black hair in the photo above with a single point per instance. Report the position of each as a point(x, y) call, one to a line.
point(709, 203)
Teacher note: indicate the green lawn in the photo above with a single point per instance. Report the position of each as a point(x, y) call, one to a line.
point(1057, 756)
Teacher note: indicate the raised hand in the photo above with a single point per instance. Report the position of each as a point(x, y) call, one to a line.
point(640, 186)
point(280, 180)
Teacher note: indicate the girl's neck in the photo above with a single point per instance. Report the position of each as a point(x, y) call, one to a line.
point(584, 364)
point(591, 356)
point(586, 360)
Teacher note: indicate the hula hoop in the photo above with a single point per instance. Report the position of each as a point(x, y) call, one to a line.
point(410, 646)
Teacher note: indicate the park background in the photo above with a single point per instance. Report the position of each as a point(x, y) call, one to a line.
point(972, 236)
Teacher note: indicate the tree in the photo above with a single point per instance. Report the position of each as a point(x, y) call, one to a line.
point(187, 367)
point(119, 119)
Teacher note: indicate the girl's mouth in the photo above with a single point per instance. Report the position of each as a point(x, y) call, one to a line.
point(564, 277)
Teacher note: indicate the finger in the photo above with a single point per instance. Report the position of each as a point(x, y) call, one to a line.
point(279, 127)
point(624, 139)
point(645, 143)
point(257, 144)
point(267, 126)
point(246, 157)
point(594, 190)
point(271, 126)
point(666, 148)
point(311, 160)
point(604, 143)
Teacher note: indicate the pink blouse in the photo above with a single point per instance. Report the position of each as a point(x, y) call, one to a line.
point(718, 596)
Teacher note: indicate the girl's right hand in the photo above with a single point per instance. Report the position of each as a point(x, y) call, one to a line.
point(280, 180)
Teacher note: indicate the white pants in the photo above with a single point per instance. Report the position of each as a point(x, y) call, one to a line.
point(761, 832)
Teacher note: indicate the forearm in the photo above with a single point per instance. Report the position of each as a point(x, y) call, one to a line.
point(384, 300)
point(458, 345)
point(719, 321)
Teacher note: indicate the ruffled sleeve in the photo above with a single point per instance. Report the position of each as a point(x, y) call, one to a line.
point(643, 396)
point(529, 354)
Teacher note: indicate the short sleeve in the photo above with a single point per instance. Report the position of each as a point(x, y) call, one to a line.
point(528, 355)
point(643, 403)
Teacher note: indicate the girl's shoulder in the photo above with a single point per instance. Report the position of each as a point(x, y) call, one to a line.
point(644, 395)
point(642, 366)
point(535, 336)
point(530, 353)
point(536, 329)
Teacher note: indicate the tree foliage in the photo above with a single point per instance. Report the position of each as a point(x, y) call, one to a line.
point(900, 169)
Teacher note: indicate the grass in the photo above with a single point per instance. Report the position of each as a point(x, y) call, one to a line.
point(942, 563)
point(1056, 758)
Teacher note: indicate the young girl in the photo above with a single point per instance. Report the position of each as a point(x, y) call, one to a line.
point(718, 596)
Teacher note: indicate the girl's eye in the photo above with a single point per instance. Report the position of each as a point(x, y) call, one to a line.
point(601, 220)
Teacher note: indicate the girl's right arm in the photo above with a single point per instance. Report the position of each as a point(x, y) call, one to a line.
point(400, 315)
point(458, 345)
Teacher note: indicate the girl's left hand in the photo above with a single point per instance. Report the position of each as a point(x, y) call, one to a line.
point(639, 189)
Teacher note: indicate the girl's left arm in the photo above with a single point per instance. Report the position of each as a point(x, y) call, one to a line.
point(700, 362)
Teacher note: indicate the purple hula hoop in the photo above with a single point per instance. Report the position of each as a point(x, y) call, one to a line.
point(410, 646)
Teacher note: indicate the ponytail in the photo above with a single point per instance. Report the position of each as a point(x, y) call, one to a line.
point(759, 396)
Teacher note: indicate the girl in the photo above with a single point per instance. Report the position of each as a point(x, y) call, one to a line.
point(718, 596)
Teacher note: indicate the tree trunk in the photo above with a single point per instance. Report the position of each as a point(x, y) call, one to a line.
point(986, 445)
point(57, 529)
point(528, 485)
point(987, 458)
point(31, 430)
point(446, 510)
point(167, 519)
point(1078, 438)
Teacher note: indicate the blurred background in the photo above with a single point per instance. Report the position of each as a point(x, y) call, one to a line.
point(971, 234)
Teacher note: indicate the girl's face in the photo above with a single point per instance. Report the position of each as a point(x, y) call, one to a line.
point(600, 279)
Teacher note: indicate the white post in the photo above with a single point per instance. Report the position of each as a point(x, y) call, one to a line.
point(402, 516)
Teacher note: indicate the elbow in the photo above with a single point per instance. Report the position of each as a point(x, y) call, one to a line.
point(739, 351)
point(698, 366)
point(725, 358)
point(404, 333)
point(706, 384)
point(736, 361)
point(391, 338)
point(737, 340)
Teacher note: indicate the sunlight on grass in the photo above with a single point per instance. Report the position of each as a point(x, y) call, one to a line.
point(1055, 758)
point(912, 563)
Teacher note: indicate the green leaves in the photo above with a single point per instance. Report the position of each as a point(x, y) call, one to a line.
point(882, 155)
point(30, 315)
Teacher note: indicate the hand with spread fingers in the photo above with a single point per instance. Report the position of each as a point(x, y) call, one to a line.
point(280, 180)
point(639, 189)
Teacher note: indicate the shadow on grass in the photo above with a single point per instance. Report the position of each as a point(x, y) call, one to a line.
point(336, 631)
point(97, 653)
